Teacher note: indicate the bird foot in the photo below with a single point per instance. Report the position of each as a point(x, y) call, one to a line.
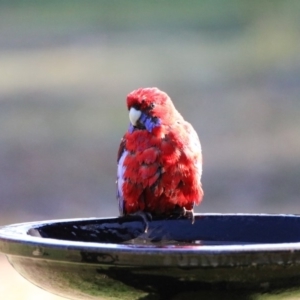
point(146, 218)
point(189, 214)
point(182, 211)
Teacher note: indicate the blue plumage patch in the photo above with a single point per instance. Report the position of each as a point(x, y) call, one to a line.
point(147, 122)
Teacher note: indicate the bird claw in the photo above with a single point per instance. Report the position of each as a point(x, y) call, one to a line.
point(146, 218)
point(189, 214)
point(186, 213)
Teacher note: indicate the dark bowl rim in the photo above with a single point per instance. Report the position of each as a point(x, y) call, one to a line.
point(18, 234)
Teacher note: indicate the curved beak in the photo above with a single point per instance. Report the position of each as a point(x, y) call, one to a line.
point(134, 115)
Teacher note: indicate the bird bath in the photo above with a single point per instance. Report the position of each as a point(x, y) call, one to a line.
point(113, 258)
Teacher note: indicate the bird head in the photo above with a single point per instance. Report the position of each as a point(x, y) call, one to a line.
point(149, 108)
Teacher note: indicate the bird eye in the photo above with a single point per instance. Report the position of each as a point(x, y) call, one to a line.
point(152, 105)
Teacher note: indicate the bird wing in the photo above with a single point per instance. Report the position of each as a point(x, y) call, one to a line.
point(122, 153)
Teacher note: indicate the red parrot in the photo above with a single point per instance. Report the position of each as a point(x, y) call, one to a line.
point(159, 159)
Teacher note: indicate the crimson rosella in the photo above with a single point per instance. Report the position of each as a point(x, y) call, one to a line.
point(159, 159)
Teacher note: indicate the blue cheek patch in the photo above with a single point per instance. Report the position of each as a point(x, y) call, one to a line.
point(151, 123)
point(148, 122)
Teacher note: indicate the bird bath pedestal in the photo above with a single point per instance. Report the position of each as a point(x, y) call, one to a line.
point(113, 258)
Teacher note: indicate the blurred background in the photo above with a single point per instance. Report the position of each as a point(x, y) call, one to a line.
point(232, 68)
